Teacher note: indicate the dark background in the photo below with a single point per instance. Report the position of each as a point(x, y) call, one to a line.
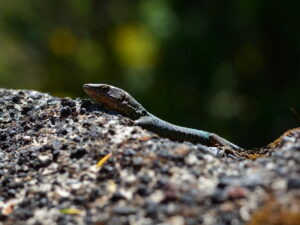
point(229, 67)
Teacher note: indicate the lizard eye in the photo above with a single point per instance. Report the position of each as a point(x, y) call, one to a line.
point(123, 98)
point(105, 88)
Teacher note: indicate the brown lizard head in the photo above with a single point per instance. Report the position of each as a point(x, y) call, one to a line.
point(116, 99)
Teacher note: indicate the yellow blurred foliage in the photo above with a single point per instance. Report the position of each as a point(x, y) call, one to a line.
point(62, 42)
point(135, 46)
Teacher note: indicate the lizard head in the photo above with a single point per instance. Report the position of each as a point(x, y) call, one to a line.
point(115, 99)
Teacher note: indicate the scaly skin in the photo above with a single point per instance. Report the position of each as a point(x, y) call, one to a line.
point(119, 100)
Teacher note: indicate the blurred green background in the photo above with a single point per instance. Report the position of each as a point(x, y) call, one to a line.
point(229, 67)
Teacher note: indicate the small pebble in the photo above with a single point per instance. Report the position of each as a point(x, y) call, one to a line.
point(124, 210)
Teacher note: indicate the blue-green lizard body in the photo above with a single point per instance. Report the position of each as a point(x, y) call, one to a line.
point(119, 100)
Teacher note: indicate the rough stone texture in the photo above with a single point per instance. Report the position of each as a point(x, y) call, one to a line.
point(48, 175)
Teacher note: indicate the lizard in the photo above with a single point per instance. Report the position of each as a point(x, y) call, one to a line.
point(119, 100)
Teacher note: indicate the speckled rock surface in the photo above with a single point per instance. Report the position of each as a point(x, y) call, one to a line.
point(66, 161)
